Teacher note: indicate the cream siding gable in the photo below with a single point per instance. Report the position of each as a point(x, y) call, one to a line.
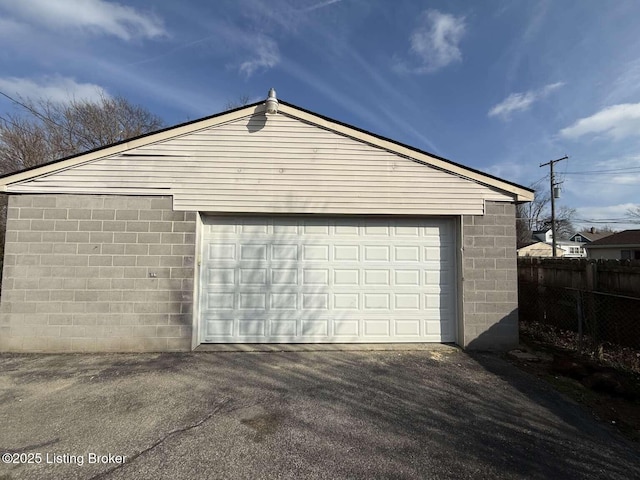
point(279, 164)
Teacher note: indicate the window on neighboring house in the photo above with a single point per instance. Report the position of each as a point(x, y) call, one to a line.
point(578, 238)
point(574, 250)
point(625, 254)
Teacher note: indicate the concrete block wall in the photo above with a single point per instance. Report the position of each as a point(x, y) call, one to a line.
point(97, 273)
point(490, 279)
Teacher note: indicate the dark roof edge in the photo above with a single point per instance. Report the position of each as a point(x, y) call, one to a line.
point(613, 245)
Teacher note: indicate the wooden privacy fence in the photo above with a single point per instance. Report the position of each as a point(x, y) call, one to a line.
point(620, 277)
point(597, 299)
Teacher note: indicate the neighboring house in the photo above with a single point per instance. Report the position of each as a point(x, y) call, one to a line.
point(545, 236)
point(539, 249)
point(245, 227)
point(623, 245)
point(569, 248)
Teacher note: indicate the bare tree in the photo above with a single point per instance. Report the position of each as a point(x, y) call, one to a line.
point(530, 215)
point(634, 214)
point(241, 101)
point(43, 130)
point(535, 216)
point(564, 222)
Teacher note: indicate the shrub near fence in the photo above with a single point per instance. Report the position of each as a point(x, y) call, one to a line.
point(599, 300)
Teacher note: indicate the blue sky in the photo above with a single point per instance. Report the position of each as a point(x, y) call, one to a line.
point(497, 85)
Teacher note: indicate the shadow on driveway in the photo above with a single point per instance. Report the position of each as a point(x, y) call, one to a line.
point(437, 413)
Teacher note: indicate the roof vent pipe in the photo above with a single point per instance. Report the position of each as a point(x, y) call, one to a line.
point(271, 103)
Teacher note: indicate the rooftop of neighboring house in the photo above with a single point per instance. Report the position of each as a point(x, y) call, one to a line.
point(591, 235)
point(624, 238)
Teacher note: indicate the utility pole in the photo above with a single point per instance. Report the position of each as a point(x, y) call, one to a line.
point(553, 203)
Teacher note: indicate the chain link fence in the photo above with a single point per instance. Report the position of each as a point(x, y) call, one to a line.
point(595, 323)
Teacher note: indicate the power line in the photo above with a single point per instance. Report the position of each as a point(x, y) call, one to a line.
point(44, 118)
point(607, 222)
point(620, 184)
point(613, 170)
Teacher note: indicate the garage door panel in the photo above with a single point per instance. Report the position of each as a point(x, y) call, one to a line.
point(253, 276)
point(315, 276)
point(220, 328)
point(346, 277)
point(253, 226)
point(284, 252)
point(407, 301)
point(220, 301)
point(346, 253)
point(252, 328)
point(407, 278)
point(221, 276)
point(253, 252)
point(286, 227)
point(316, 227)
point(377, 328)
point(315, 328)
point(346, 328)
point(409, 328)
point(315, 301)
point(381, 229)
point(294, 279)
point(283, 329)
point(284, 276)
point(252, 301)
point(315, 252)
point(376, 301)
point(408, 253)
point(283, 301)
point(408, 230)
point(222, 251)
point(346, 229)
point(346, 301)
point(375, 253)
point(376, 277)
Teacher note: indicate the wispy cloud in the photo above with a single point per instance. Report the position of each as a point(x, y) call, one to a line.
point(91, 16)
point(517, 102)
point(319, 5)
point(616, 122)
point(625, 84)
point(435, 43)
point(264, 56)
point(54, 89)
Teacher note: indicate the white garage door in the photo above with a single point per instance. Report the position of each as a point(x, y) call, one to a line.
point(322, 280)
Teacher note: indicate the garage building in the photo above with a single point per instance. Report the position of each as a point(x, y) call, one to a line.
point(257, 227)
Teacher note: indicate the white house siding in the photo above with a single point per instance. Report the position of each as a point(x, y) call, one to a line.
point(278, 164)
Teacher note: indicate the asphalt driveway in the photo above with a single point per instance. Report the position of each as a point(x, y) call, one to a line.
point(425, 413)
